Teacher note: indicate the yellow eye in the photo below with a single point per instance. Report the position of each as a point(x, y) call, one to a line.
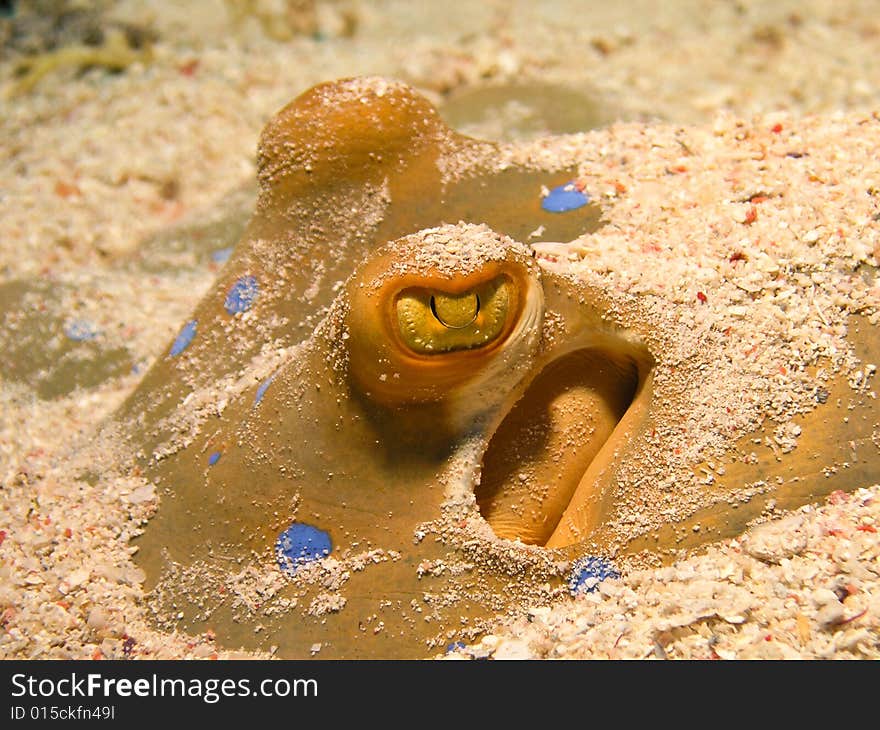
point(431, 321)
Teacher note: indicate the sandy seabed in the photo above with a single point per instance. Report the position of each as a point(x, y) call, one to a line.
point(744, 128)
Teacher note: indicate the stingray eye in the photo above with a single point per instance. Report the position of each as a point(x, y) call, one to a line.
point(431, 321)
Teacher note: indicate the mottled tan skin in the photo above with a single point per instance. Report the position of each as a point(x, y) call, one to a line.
point(415, 492)
point(336, 152)
point(318, 448)
point(321, 449)
point(838, 450)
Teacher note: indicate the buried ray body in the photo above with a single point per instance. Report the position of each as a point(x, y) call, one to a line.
point(373, 448)
point(381, 462)
point(364, 440)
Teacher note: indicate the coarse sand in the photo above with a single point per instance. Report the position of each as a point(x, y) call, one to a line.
point(738, 171)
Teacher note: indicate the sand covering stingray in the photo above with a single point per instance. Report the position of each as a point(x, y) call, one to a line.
point(414, 400)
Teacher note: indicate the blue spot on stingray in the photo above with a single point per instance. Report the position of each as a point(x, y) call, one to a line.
point(587, 573)
point(299, 544)
point(184, 338)
point(242, 295)
point(214, 458)
point(264, 386)
point(221, 255)
point(564, 198)
point(79, 330)
point(455, 646)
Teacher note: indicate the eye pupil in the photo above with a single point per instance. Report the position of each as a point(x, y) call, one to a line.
point(455, 312)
